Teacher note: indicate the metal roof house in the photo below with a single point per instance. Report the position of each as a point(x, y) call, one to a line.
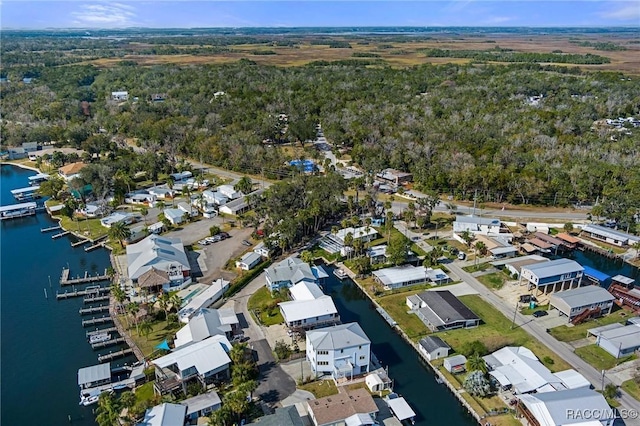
point(433, 347)
point(175, 216)
point(248, 261)
point(610, 236)
point(291, 271)
point(476, 224)
point(364, 233)
point(206, 323)
point(305, 291)
point(441, 310)
point(202, 405)
point(165, 414)
point(555, 275)
point(310, 313)
point(203, 299)
point(401, 276)
point(620, 341)
point(572, 303)
point(566, 407)
point(161, 253)
point(215, 197)
point(342, 351)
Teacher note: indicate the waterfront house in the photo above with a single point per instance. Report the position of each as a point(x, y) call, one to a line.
point(617, 339)
point(206, 361)
point(92, 210)
point(163, 254)
point(592, 300)
point(568, 241)
point(610, 236)
point(566, 407)
point(165, 414)
point(213, 197)
point(248, 261)
point(515, 265)
point(441, 310)
point(71, 171)
point(433, 347)
point(175, 216)
point(342, 351)
point(206, 323)
point(350, 407)
point(401, 276)
point(283, 416)
point(305, 291)
point(203, 299)
point(201, 406)
point(291, 271)
point(593, 276)
point(229, 192)
point(117, 217)
point(310, 313)
point(455, 364)
point(377, 254)
point(555, 275)
point(94, 376)
point(362, 233)
point(121, 95)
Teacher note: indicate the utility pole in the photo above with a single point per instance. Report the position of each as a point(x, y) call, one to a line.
point(602, 382)
point(513, 323)
point(475, 198)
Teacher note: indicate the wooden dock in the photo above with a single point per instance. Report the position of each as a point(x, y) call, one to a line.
point(102, 330)
point(106, 343)
point(86, 292)
point(94, 321)
point(91, 310)
point(65, 280)
point(51, 228)
point(79, 243)
point(94, 246)
point(61, 234)
point(610, 254)
point(94, 299)
point(113, 355)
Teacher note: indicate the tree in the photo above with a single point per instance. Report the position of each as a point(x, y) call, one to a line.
point(611, 391)
point(244, 185)
point(476, 363)
point(175, 301)
point(362, 265)
point(51, 187)
point(474, 347)
point(468, 237)
point(306, 256)
point(145, 328)
point(481, 248)
point(221, 417)
point(568, 227)
point(144, 212)
point(237, 401)
point(214, 230)
point(164, 301)
point(477, 384)
point(398, 249)
point(107, 413)
point(120, 232)
point(133, 309)
point(282, 350)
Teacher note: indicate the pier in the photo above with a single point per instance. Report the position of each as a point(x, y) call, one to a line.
point(79, 243)
point(113, 355)
point(51, 228)
point(609, 254)
point(106, 343)
point(85, 311)
point(94, 321)
point(95, 292)
point(93, 299)
point(94, 246)
point(65, 280)
point(18, 210)
point(386, 317)
point(102, 330)
point(61, 234)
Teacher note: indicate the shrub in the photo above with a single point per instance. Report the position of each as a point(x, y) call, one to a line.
point(477, 384)
point(548, 360)
point(475, 347)
point(282, 350)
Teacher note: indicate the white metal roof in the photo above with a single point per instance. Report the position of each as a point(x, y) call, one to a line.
point(550, 408)
point(582, 296)
point(94, 373)
point(400, 274)
point(338, 337)
point(202, 401)
point(305, 291)
point(572, 379)
point(20, 206)
point(522, 369)
point(622, 279)
point(627, 337)
point(206, 355)
point(165, 414)
point(358, 419)
point(356, 233)
point(596, 331)
point(205, 323)
point(478, 220)
point(250, 258)
point(554, 267)
point(400, 408)
point(503, 250)
point(298, 310)
point(155, 251)
point(610, 233)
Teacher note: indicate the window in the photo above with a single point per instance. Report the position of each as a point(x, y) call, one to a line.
point(323, 362)
point(341, 351)
point(323, 352)
point(362, 357)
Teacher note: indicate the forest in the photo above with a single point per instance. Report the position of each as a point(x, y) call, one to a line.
point(460, 128)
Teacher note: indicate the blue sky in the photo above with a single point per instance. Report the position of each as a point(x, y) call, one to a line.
point(187, 14)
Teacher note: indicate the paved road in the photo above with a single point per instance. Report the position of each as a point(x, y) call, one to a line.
point(564, 350)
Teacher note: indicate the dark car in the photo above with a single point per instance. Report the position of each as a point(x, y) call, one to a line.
point(246, 243)
point(539, 314)
point(224, 235)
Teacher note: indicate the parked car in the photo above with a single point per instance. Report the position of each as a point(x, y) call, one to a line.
point(246, 243)
point(462, 256)
point(539, 314)
point(224, 235)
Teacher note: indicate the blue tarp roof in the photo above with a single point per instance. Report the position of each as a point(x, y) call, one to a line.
point(306, 165)
point(595, 274)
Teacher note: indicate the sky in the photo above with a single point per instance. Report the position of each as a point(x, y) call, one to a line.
point(26, 14)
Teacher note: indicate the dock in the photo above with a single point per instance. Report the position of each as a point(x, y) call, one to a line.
point(113, 355)
point(96, 292)
point(386, 317)
point(79, 243)
point(51, 228)
point(93, 299)
point(94, 321)
point(101, 308)
point(65, 280)
point(18, 210)
point(61, 234)
point(102, 330)
point(106, 343)
point(609, 254)
point(95, 246)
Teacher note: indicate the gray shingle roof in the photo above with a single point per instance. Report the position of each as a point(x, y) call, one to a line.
point(338, 337)
point(446, 307)
point(285, 416)
point(431, 343)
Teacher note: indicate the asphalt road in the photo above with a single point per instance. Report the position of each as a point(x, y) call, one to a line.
point(562, 349)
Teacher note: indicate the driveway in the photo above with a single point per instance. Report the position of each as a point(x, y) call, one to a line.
point(275, 385)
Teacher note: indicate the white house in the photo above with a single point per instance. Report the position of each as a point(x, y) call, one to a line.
point(433, 348)
point(229, 192)
point(342, 350)
point(209, 322)
point(162, 192)
point(186, 208)
point(262, 250)
point(160, 253)
point(202, 405)
point(120, 96)
point(576, 407)
point(165, 414)
point(610, 236)
point(401, 276)
point(311, 313)
point(291, 271)
point(555, 275)
point(93, 210)
point(248, 261)
point(179, 176)
point(617, 339)
point(175, 216)
point(214, 197)
point(116, 217)
point(477, 225)
point(203, 299)
point(363, 233)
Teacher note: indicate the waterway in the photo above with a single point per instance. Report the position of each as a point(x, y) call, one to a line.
point(608, 266)
point(43, 341)
point(433, 403)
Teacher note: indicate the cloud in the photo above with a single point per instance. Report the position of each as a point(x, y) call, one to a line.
point(104, 15)
point(622, 12)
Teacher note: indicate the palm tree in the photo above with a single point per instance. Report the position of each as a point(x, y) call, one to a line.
point(144, 212)
point(133, 309)
point(145, 328)
point(119, 231)
point(164, 301)
point(348, 241)
point(481, 248)
point(108, 410)
point(476, 363)
point(244, 185)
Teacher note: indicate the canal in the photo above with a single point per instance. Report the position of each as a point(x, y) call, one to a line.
point(432, 402)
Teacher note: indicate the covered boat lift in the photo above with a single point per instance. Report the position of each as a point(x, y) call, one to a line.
point(400, 408)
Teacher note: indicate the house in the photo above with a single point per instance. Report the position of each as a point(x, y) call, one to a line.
point(283, 416)
point(248, 261)
point(617, 339)
point(441, 310)
point(437, 276)
point(158, 97)
point(229, 192)
point(16, 153)
point(141, 198)
point(351, 407)
point(310, 313)
point(156, 228)
point(568, 241)
point(162, 254)
point(203, 299)
point(162, 192)
point(175, 216)
point(571, 379)
point(515, 265)
point(362, 233)
point(378, 380)
point(433, 347)
point(120, 96)
point(478, 225)
point(555, 275)
point(262, 250)
point(401, 276)
point(117, 217)
point(343, 351)
point(179, 176)
point(186, 208)
point(205, 361)
point(235, 207)
point(30, 146)
point(165, 414)
point(291, 271)
point(593, 276)
point(395, 176)
point(201, 405)
point(578, 407)
point(610, 236)
point(593, 300)
point(214, 197)
point(92, 210)
point(154, 281)
point(71, 171)
point(137, 233)
point(209, 322)
point(377, 254)
point(455, 364)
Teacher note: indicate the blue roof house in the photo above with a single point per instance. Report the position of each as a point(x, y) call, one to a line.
point(552, 276)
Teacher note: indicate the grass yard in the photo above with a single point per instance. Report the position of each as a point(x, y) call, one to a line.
point(599, 358)
point(632, 387)
point(397, 307)
point(91, 228)
point(266, 306)
point(161, 331)
point(493, 281)
point(417, 250)
point(320, 388)
point(144, 392)
point(529, 311)
point(567, 334)
point(479, 267)
point(318, 252)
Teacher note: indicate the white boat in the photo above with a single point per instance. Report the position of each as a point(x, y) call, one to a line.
point(89, 400)
point(340, 274)
point(99, 337)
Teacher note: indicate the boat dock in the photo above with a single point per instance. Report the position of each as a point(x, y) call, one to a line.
point(18, 210)
point(95, 246)
point(113, 355)
point(101, 308)
point(609, 254)
point(51, 228)
point(65, 280)
point(61, 234)
point(26, 194)
point(94, 321)
point(386, 317)
point(95, 292)
point(93, 299)
point(79, 243)
point(106, 343)
point(102, 330)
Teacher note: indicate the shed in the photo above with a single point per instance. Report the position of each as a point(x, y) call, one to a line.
point(455, 364)
point(433, 347)
point(595, 276)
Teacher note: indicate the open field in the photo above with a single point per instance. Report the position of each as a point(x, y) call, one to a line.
point(398, 53)
point(599, 358)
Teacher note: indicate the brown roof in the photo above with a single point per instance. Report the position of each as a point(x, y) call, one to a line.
point(338, 407)
point(539, 243)
point(548, 238)
point(524, 262)
point(153, 278)
point(71, 169)
point(528, 248)
point(568, 238)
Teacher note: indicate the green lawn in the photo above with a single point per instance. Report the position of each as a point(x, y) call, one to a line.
point(396, 306)
point(567, 334)
point(417, 250)
point(90, 228)
point(317, 252)
point(599, 358)
point(497, 332)
point(632, 387)
point(479, 267)
point(266, 306)
point(161, 331)
point(494, 281)
point(529, 311)
point(320, 388)
point(144, 392)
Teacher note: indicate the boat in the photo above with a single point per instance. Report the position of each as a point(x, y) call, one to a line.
point(399, 408)
point(439, 380)
point(99, 337)
point(340, 274)
point(90, 396)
